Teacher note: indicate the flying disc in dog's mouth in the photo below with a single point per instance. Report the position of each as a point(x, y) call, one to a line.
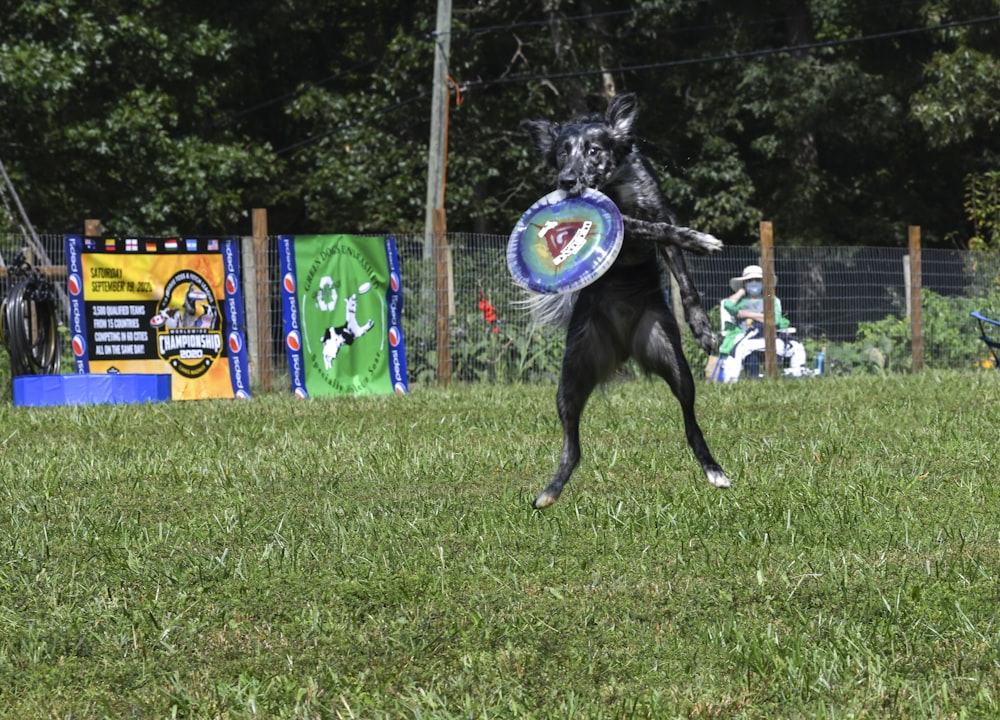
point(565, 243)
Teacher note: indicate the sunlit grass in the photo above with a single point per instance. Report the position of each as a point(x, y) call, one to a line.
point(378, 557)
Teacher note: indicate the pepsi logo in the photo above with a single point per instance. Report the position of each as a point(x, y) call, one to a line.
point(394, 282)
point(79, 346)
point(289, 282)
point(400, 388)
point(75, 284)
point(394, 336)
point(242, 395)
point(293, 341)
point(231, 284)
point(300, 393)
point(235, 342)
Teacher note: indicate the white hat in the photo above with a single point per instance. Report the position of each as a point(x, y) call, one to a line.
point(750, 272)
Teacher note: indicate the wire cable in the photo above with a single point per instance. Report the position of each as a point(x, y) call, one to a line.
point(571, 19)
point(29, 322)
point(749, 54)
point(736, 55)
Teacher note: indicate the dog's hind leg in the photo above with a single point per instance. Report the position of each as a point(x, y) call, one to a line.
point(657, 349)
point(588, 359)
point(570, 402)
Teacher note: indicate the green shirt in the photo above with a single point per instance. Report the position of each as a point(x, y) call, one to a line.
point(733, 330)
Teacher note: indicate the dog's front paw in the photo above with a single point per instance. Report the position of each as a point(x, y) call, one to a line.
point(700, 242)
point(707, 341)
point(701, 328)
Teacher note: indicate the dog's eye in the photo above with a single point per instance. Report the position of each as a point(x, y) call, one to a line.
point(593, 150)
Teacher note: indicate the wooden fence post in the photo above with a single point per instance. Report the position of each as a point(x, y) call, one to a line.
point(916, 314)
point(263, 283)
point(770, 332)
point(441, 297)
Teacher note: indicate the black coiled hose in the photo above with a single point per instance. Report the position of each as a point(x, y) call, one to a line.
point(29, 322)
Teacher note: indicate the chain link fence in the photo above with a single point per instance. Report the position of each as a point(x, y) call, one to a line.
point(850, 301)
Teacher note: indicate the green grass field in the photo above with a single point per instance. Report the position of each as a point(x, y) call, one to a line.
point(378, 557)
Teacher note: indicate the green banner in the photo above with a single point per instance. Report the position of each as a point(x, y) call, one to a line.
point(341, 307)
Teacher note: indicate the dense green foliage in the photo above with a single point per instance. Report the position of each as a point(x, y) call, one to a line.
point(948, 337)
point(840, 121)
point(378, 558)
point(982, 202)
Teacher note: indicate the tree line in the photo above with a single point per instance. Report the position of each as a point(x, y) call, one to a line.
point(841, 121)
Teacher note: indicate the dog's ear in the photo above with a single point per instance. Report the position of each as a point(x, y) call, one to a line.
point(620, 117)
point(542, 133)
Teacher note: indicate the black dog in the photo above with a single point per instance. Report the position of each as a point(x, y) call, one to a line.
point(623, 313)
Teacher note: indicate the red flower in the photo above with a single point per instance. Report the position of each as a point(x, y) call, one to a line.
point(488, 311)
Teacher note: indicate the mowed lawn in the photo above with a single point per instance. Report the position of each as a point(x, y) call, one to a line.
point(378, 557)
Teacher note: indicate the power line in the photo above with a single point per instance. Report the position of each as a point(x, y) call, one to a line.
point(548, 21)
point(749, 54)
point(685, 29)
point(733, 56)
point(346, 125)
point(234, 115)
point(229, 117)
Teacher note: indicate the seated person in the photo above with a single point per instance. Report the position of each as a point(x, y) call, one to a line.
point(745, 335)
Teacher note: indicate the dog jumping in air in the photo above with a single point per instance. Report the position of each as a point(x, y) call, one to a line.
point(624, 313)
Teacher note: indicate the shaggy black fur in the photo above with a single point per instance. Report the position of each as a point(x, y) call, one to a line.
point(624, 313)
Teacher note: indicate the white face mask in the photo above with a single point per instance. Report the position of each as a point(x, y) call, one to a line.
point(755, 288)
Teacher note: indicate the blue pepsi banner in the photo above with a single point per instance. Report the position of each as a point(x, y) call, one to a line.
point(160, 306)
point(342, 312)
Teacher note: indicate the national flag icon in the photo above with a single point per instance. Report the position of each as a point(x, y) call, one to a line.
point(110, 244)
point(191, 244)
point(89, 244)
point(150, 246)
point(170, 244)
point(131, 245)
point(213, 245)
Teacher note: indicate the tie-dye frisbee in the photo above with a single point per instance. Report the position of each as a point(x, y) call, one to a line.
point(565, 243)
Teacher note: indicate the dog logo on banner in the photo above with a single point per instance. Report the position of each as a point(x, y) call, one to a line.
point(336, 336)
point(188, 336)
point(341, 310)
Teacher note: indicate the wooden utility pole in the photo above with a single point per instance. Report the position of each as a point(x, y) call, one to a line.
point(435, 240)
point(438, 139)
point(770, 331)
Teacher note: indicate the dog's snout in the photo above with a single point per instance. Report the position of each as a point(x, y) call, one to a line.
point(569, 180)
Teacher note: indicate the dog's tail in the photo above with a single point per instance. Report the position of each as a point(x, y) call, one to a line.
point(554, 310)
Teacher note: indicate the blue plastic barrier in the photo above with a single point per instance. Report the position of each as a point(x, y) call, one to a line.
point(90, 389)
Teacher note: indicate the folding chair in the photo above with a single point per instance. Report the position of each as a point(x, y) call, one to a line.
point(753, 365)
point(988, 326)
